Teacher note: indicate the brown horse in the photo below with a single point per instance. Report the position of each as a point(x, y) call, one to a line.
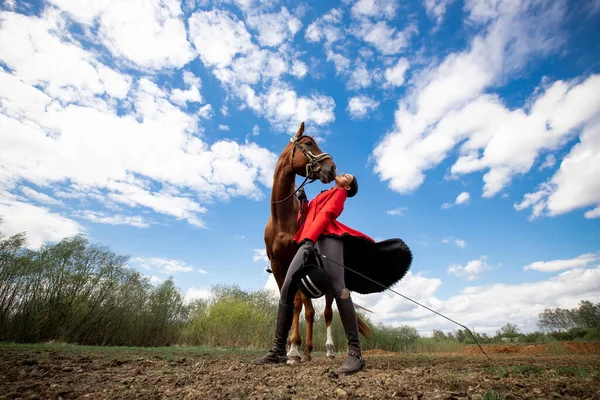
point(301, 157)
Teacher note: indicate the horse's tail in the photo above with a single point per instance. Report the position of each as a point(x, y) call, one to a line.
point(363, 327)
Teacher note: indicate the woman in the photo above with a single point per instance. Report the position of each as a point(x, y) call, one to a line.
point(320, 227)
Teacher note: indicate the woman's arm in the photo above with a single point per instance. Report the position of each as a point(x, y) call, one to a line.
point(302, 211)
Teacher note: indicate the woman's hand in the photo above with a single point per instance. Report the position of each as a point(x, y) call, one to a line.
point(301, 196)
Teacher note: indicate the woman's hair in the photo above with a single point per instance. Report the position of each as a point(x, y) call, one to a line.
point(353, 188)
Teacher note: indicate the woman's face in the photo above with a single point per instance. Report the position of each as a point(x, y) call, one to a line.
point(344, 180)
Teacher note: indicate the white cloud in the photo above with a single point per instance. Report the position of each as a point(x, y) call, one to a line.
point(191, 93)
point(462, 198)
point(203, 272)
point(283, 108)
point(472, 270)
point(460, 243)
point(388, 40)
point(155, 280)
point(436, 9)
point(360, 77)
point(326, 27)
point(255, 130)
point(29, 46)
point(163, 265)
point(40, 197)
point(114, 219)
point(271, 286)
point(255, 67)
point(299, 69)
point(484, 308)
point(195, 294)
point(398, 211)
point(375, 9)
point(40, 224)
point(595, 213)
point(446, 105)
point(557, 265)
point(223, 127)
point(575, 184)
point(51, 111)
point(395, 75)
point(218, 36)
point(360, 106)
point(206, 111)
point(549, 162)
point(260, 254)
point(150, 33)
point(274, 29)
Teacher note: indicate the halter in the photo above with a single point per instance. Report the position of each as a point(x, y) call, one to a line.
point(312, 167)
point(313, 161)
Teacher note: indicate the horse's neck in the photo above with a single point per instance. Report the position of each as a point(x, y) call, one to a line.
point(285, 213)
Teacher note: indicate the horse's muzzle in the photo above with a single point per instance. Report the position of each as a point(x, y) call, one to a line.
point(327, 173)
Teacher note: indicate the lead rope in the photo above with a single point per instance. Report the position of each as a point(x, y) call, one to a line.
point(407, 298)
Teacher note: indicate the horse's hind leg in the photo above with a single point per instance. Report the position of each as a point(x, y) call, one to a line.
point(295, 341)
point(309, 314)
point(328, 319)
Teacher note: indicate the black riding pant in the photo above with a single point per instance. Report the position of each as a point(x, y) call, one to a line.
point(333, 249)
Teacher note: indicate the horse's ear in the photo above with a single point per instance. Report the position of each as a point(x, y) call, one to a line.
point(301, 130)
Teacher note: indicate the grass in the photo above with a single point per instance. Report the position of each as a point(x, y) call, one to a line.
point(572, 371)
point(165, 353)
point(597, 376)
point(526, 369)
point(556, 348)
point(503, 372)
point(500, 372)
point(491, 394)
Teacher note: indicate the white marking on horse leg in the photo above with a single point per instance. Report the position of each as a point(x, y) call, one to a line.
point(293, 354)
point(329, 343)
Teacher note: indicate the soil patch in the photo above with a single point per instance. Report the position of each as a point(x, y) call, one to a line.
point(43, 373)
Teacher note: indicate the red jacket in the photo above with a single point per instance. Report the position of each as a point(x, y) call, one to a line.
point(321, 214)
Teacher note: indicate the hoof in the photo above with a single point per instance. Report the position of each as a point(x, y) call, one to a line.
point(294, 360)
point(329, 350)
point(306, 358)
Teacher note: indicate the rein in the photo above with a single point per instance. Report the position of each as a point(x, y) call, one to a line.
point(407, 298)
point(312, 166)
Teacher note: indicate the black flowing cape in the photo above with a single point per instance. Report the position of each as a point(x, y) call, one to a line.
point(384, 262)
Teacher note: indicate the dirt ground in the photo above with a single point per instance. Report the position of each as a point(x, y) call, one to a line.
point(515, 372)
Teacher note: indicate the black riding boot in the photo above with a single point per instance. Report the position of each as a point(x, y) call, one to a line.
point(277, 355)
point(354, 361)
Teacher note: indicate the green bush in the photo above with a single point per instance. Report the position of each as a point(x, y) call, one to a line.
point(534, 337)
point(232, 318)
point(593, 334)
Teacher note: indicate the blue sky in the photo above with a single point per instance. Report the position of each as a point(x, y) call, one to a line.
point(473, 127)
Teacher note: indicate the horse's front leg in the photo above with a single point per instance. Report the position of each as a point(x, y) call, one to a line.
point(295, 341)
point(328, 319)
point(309, 314)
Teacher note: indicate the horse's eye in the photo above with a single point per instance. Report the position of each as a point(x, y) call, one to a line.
point(309, 143)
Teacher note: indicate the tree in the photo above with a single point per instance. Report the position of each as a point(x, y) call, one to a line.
point(508, 331)
point(438, 335)
point(587, 315)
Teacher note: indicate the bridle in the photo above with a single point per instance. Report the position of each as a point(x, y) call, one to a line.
point(312, 167)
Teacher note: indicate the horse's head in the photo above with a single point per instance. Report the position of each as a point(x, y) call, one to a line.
point(309, 160)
